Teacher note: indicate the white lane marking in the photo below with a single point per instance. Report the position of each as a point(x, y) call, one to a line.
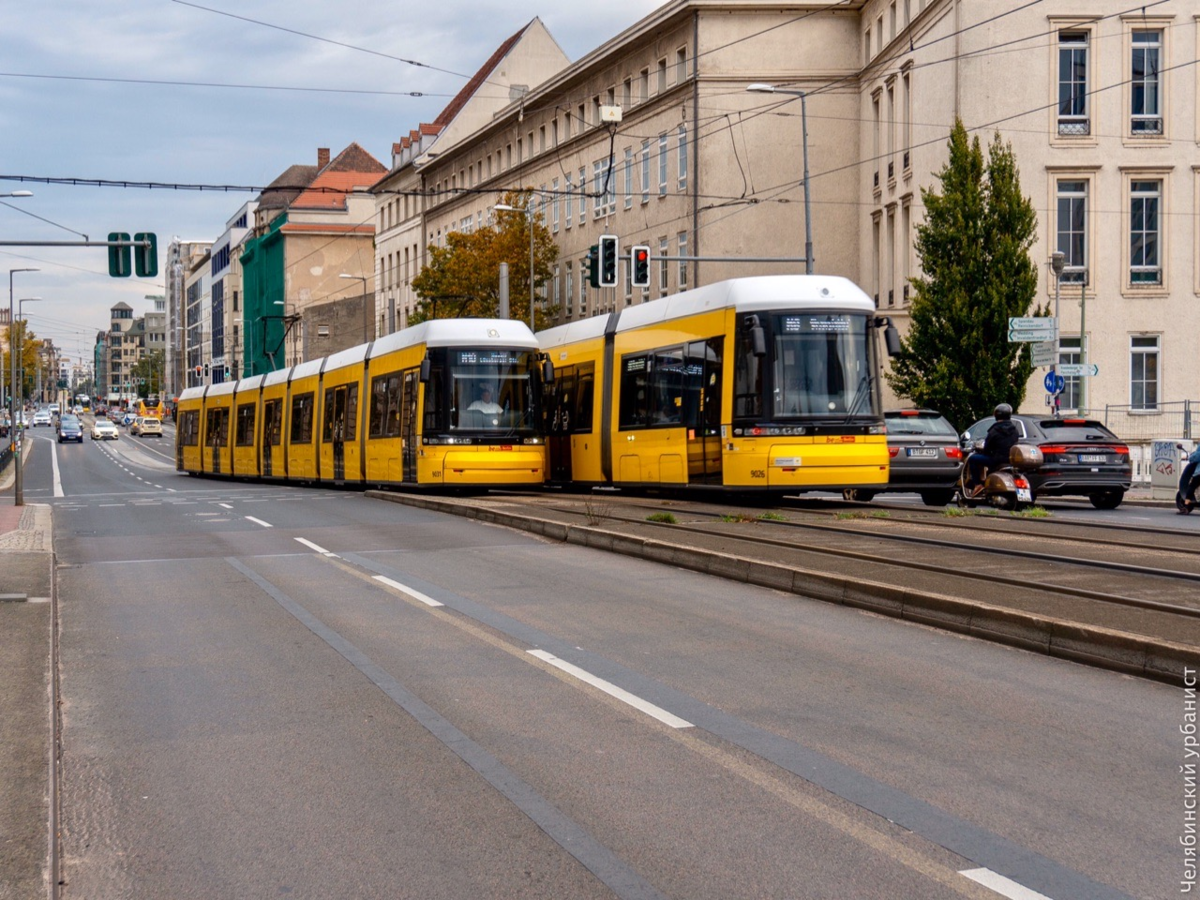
point(1005, 887)
point(313, 546)
point(405, 589)
point(612, 690)
point(225, 505)
point(159, 486)
point(58, 491)
point(172, 490)
point(102, 505)
point(208, 514)
point(258, 521)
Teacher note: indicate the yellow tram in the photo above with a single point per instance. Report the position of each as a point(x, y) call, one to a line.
point(753, 384)
point(447, 403)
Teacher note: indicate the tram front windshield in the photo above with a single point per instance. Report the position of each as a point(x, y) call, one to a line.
point(821, 365)
point(491, 390)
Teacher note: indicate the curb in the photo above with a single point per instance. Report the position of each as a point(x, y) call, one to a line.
point(1104, 648)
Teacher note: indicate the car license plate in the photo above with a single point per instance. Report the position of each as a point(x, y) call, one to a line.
point(1023, 495)
point(923, 452)
point(1092, 458)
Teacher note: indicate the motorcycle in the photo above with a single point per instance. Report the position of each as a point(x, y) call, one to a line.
point(1189, 483)
point(1005, 487)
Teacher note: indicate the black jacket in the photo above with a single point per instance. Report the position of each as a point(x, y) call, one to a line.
point(1000, 439)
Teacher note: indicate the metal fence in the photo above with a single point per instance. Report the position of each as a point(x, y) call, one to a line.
point(1167, 420)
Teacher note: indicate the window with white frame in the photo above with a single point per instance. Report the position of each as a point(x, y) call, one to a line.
point(1145, 263)
point(683, 246)
point(682, 159)
point(569, 211)
point(662, 164)
point(1145, 85)
point(583, 196)
point(583, 287)
point(1143, 372)
point(570, 287)
point(1073, 83)
point(645, 171)
point(554, 209)
point(1072, 228)
point(664, 267)
point(598, 189)
point(1070, 352)
point(628, 177)
point(557, 286)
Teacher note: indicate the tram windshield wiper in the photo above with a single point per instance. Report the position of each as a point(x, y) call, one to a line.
point(862, 392)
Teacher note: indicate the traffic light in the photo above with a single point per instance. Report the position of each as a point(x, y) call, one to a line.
point(206, 370)
point(609, 251)
point(118, 257)
point(145, 259)
point(593, 265)
point(640, 260)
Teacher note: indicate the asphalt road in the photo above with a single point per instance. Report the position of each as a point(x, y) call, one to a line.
point(251, 710)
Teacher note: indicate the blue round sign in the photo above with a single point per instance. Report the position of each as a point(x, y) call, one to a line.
point(1049, 382)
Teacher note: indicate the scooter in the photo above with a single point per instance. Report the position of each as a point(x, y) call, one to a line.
point(1004, 487)
point(1189, 483)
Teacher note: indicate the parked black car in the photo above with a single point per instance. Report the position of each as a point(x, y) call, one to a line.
point(1081, 457)
point(925, 456)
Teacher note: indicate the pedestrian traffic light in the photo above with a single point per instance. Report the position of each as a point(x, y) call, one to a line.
point(118, 257)
point(145, 255)
point(640, 260)
point(609, 251)
point(593, 265)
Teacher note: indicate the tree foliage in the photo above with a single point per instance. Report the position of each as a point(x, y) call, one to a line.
point(147, 374)
point(28, 344)
point(462, 278)
point(974, 254)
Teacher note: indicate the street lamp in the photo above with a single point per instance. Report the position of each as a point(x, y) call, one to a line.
point(364, 296)
point(771, 89)
point(24, 333)
point(18, 495)
point(18, 194)
point(1058, 262)
point(529, 214)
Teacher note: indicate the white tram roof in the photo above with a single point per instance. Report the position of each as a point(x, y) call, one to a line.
point(756, 294)
point(191, 393)
point(220, 390)
point(458, 333)
point(251, 383)
point(279, 376)
point(346, 357)
point(305, 369)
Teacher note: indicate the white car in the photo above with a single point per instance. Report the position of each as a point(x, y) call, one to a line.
point(42, 417)
point(104, 430)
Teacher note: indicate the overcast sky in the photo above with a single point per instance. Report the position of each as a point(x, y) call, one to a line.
point(75, 103)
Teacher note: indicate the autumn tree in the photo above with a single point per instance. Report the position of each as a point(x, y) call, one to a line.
point(974, 253)
point(462, 278)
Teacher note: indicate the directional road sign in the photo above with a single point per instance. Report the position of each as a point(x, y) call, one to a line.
point(1079, 370)
point(1044, 353)
point(1032, 328)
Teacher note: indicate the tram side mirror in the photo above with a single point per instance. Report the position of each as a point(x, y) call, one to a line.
point(425, 371)
point(547, 372)
point(891, 339)
point(758, 337)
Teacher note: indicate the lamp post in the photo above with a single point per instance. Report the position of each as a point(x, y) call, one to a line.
point(18, 483)
point(364, 296)
point(771, 89)
point(529, 214)
point(1058, 261)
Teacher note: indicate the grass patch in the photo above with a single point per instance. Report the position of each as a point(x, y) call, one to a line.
point(1034, 512)
point(881, 514)
point(664, 517)
point(850, 515)
point(957, 512)
point(737, 517)
point(772, 517)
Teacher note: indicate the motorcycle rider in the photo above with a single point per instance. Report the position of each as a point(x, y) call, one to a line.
point(1185, 500)
point(1001, 437)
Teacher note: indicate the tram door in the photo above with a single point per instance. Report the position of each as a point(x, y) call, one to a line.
point(408, 426)
point(335, 428)
point(272, 429)
point(558, 396)
point(704, 363)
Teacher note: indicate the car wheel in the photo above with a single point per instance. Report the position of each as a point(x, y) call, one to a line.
point(1107, 499)
point(937, 498)
point(858, 494)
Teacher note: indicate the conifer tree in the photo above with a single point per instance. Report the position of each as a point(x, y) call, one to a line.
point(973, 249)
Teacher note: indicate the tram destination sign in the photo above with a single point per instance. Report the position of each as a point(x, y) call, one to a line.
point(1032, 329)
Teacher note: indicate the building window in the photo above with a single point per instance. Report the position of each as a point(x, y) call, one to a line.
point(628, 177)
point(662, 165)
point(583, 196)
point(570, 286)
point(1145, 266)
point(557, 286)
point(1073, 83)
point(583, 288)
point(681, 65)
point(646, 171)
point(662, 76)
point(1069, 353)
point(683, 157)
point(1072, 229)
point(1143, 373)
point(569, 212)
point(664, 267)
point(644, 86)
point(554, 208)
point(627, 93)
point(1145, 83)
point(599, 190)
point(683, 242)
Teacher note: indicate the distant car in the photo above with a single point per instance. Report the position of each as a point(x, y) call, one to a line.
point(104, 430)
point(42, 417)
point(70, 429)
point(148, 426)
point(924, 457)
point(1080, 457)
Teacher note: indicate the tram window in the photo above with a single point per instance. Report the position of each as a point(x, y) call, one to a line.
point(189, 433)
point(747, 376)
point(385, 406)
point(341, 406)
point(351, 412)
point(302, 419)
point(585, 398)
point(652, 389)
point(216, 428)
point(272, 424)
point(245, 425)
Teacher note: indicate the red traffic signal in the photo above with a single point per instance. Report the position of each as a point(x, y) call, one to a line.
point(640, 263)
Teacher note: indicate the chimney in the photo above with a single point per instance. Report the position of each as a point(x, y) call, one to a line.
point(322, 157)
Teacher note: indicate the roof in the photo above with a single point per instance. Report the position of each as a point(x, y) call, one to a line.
point(454, 107)
point(353, 168)
point(280, 193)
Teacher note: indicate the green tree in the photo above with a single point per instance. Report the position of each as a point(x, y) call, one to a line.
point(147, 374)
point(462, 278)
point(974, 253)
point(27, 345)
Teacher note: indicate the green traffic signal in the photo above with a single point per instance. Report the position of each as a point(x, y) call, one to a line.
point(119, 257)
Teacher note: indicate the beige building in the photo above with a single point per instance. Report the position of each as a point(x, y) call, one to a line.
point(1099, 106)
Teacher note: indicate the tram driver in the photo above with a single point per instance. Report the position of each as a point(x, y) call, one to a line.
point(485, 404)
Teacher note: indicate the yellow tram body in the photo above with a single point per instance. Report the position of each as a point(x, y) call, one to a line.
point(764, 383)
point(448, 403)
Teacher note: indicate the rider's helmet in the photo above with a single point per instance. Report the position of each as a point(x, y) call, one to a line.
point(1003, 412)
